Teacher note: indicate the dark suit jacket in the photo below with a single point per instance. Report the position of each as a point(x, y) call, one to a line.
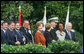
point(72, 35)
point(48, 37)
point(54, 35)
point(19, 36)
point(3, 37)
point(27, 34)
point(11, 39)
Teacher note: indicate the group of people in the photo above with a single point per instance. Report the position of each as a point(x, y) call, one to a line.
point(14, 34)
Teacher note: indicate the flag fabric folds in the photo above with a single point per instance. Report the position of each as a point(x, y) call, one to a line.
point(19, 20)
point(67, 17)
point(44, 18)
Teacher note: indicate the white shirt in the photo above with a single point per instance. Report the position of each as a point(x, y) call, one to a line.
point(61, 36)
point(30, 31)
point(4, 30)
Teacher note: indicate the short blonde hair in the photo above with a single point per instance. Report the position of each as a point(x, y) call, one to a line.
point(39, 23)
point(48, 26)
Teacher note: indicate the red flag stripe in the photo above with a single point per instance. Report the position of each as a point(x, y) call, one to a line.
point(19, 17)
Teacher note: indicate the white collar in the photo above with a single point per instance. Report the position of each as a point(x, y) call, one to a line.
point(67, 31)
point(4, 30)
point(16, 30)
point(59, 31)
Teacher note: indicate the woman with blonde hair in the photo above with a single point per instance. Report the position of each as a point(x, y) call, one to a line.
point(39, 37)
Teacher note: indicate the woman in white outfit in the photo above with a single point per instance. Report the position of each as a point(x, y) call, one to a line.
point(60, 33)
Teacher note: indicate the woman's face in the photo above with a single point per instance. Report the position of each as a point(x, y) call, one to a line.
point(40, 28)
point(60, 26)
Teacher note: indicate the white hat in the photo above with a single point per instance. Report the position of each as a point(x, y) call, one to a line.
point(55, 19)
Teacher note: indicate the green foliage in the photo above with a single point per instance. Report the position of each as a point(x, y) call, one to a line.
point(65, 46)
point(79, 37)
point(59, 9)
point(13, 7)
point(34, 11)
point(24, 49)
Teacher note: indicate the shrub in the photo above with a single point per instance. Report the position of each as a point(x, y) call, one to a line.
point(79, 37)
point(34, 48)
point(66, 46)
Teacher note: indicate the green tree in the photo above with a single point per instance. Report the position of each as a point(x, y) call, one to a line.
point(59, 9)
point(12, 8)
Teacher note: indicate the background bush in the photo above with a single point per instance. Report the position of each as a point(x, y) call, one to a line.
point(79, 37)
point(65, 46)
point(54, 47)
point(24, 49)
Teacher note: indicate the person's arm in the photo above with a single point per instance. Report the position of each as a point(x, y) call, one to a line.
point(12, 41)
point(57, 35)
point(37, 39)
point(64, 36)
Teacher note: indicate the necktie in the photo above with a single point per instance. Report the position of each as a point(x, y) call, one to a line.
point(26, 30)
point(70, 35)
point(19, 32)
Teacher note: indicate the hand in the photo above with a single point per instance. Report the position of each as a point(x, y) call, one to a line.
point(44, 46)
point(17, 43)
point(30, 43)
point(24, 39)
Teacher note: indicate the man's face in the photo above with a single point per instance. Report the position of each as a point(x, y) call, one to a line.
point(26, 24)
point(5, 26)
point(69, 27)
point(17, 26)
point(12, 26)
point(53, 24)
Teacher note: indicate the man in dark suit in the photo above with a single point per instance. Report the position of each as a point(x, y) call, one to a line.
point(69, 34)
point(11, 39)
point(18, 34)
point(24, 29)
point(53, 23)
point(3, 33)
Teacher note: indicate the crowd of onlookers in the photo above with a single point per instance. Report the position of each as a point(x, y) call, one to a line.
point(14, 34)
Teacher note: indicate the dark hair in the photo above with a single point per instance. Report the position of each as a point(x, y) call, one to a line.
point(11, 22)
point(17, 22)
point(4, 22)
point(61, 23)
